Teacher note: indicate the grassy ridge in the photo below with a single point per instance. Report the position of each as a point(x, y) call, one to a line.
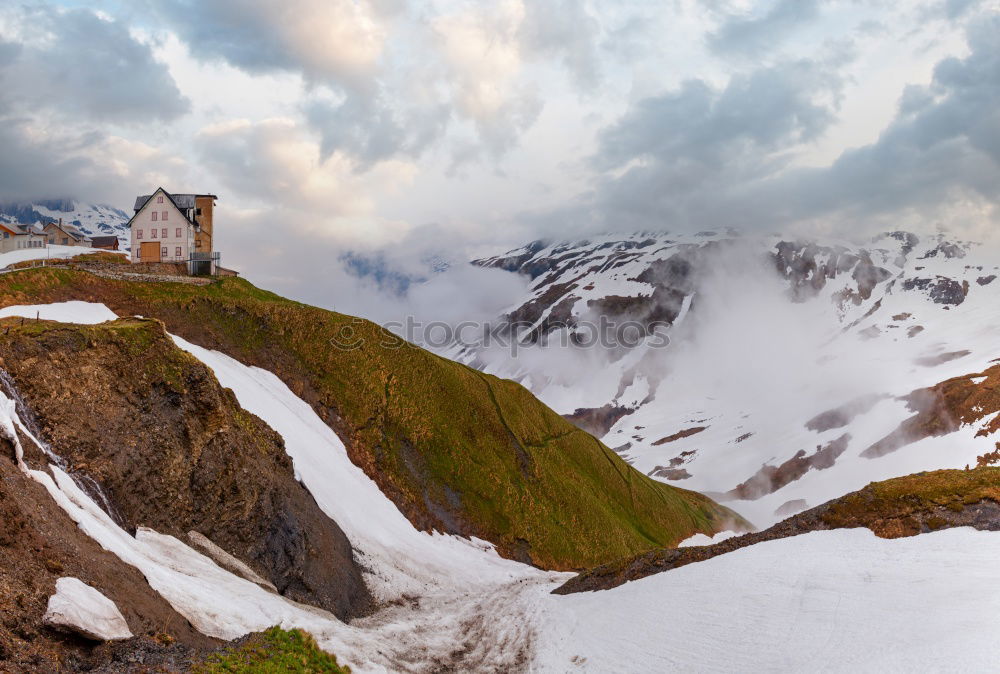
point(455, 449)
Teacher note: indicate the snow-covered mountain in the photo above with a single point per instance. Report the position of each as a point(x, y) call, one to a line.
point(795, 371)
point(91, 219)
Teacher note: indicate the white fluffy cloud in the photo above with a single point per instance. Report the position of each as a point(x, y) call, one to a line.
point(339, 40)
point(356, 123)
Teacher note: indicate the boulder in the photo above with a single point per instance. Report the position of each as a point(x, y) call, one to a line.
point(77, 607)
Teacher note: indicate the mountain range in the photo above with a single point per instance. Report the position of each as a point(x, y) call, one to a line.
point(779, 453)
point(91, 219)
point(794, 371)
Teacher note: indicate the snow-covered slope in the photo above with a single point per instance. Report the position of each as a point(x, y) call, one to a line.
point(786, 359)
point(50, 252)
point(844, 599)
point(91, 219)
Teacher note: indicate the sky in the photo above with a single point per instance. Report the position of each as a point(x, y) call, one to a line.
point(359, 145)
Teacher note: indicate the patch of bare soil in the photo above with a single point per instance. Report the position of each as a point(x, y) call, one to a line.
point(943, 409)
point(686, 433)
point(670, 473)
point(39, 544)
point(791, 507)
point(839, 417)
point(941, 358)
point(597, 420)
point(770, 479)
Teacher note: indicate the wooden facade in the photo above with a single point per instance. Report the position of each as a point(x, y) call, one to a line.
point(204, 212)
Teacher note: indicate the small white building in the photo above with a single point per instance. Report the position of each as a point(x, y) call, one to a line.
point(17, 237)
point(173, 228)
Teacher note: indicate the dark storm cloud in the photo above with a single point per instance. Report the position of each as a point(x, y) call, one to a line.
point(753, 36)
point(670, 153)
point(35, 169)
point(63, 75)
point(944, 143)
point(87, 67)
point(698, 157)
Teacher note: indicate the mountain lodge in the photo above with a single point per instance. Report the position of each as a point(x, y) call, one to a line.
point(174, 228)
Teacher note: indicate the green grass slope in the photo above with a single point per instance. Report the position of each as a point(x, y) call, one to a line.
point(457, 450)
point(275, 651)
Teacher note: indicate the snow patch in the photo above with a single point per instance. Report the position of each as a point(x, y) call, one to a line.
point(77, 607)
point(84, 313)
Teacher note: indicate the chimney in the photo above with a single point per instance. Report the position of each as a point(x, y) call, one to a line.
point(60, 222)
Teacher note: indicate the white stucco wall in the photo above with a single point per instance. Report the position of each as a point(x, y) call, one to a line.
point(144, 222)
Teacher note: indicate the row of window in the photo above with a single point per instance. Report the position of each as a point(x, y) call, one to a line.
point(162, 232)
point(162, 217)
point(31, 244)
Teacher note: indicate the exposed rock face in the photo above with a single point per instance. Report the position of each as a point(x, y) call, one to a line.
point(941, 290)
point(39, 544)
point(943, 409)
point(173, 451)
point(77, 607)
point(597, 421)
point(772, 478)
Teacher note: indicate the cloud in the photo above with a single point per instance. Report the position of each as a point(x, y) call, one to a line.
point(483, 52)
point(753, 36)
point(564, 29)
point(326, 40)
point(41, 163)
point(276, 165)
point(370, 130)
point(79, 65)
point(700, 157)
point(670, 158)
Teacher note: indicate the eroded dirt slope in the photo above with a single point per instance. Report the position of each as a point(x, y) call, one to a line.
point(175, 452)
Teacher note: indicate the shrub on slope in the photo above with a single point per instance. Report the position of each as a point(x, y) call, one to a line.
point(456, 450)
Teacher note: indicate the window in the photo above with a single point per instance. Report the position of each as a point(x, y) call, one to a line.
point(163, 252)
point(65, 241)
point(165, 215)
point(159, 200)
point(154, 215)
point(177, 252)
point(163, 233)
point(154, 231)
point(138, 233)
point(197, 212)
point(178, 233)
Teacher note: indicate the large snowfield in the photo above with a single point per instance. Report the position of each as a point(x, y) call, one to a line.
point(832, 601)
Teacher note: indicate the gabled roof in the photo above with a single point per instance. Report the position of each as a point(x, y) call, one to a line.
point(104, 240)
point(68, 229)
point(182, 202)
